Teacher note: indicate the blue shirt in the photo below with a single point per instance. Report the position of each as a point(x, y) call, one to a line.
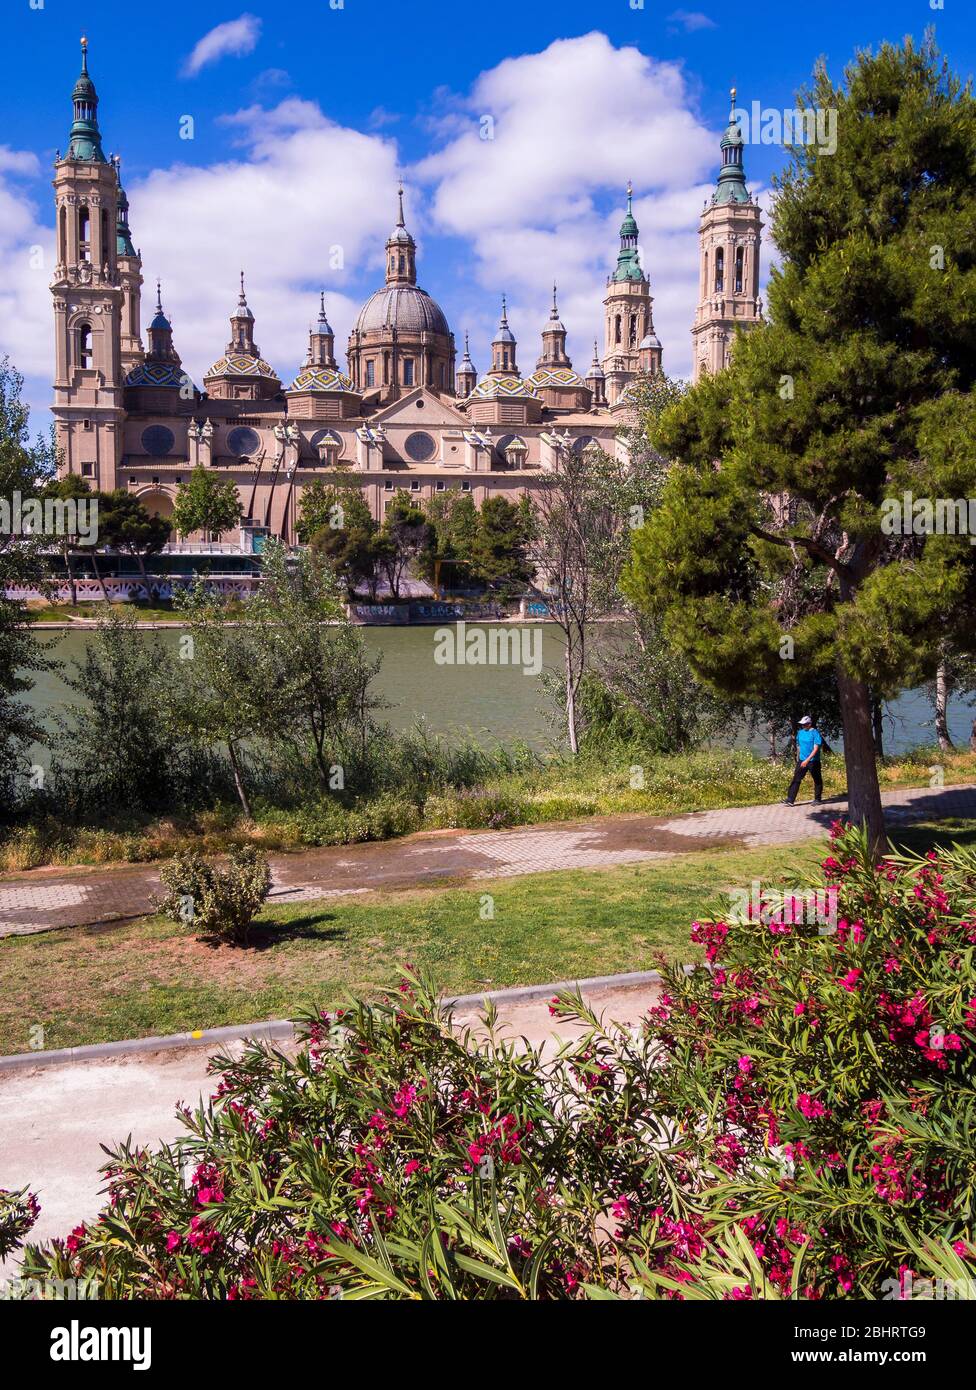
point(807, 741)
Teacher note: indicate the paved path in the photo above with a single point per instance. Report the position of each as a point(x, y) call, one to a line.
point(48, 898)
point(53, 1119)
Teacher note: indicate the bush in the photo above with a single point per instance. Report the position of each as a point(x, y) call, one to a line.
point(478, 809)
point(219, 903)
point(18, 1212)
point(793, 1119)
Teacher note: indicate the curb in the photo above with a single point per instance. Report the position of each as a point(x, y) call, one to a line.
point(276, 1030)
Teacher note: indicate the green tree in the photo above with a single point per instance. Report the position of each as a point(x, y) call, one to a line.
point(499, 554)
point(405, 535)
point(206, 503)
point(71, 488)
point(323, 672)
point(118, 751)
point(783, 562)
point(449, 561)
point(227, 690)
point(126, 525)
point(341, 528)
point(24, 470)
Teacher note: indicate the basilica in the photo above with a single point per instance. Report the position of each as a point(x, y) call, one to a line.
point(405, 413)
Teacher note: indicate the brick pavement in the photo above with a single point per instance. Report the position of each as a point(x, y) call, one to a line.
point(45, 899)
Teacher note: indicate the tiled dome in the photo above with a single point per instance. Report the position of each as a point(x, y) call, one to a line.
point(157, 374)
point(556, 377)
point(493, 387)
point(321, 379)
point(240, 364)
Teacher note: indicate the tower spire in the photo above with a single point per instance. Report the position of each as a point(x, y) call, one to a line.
point(731, 185)
point(84, 140)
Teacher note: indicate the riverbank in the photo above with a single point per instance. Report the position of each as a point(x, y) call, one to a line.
point(613, 781)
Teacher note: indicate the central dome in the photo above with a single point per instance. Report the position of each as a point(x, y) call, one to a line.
point(404, 307)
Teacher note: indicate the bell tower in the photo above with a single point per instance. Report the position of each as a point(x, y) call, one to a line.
point(88, 298)
point(729, 239)
point(629, 323)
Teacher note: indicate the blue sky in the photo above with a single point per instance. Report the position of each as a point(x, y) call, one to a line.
point(304, 115)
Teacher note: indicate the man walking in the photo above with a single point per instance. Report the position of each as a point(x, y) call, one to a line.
point(808, 745)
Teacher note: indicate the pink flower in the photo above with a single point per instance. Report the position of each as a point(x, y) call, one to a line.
point(745, 1065)
point(173, 1240)
point(850, 980)
point(799, 1009)
point(411, 1167)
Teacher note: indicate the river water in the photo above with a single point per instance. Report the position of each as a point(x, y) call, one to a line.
point(493, 703)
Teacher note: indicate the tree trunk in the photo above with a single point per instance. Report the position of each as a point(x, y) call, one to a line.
point(773, 751)
point(238, 779)
point(863, 789)
point(972, 738)
point(571, 701)
point(98, 576)
point(942, 709)
point(877, 724)
point(72, 585)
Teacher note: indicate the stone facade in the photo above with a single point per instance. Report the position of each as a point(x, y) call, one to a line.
point(404, 415)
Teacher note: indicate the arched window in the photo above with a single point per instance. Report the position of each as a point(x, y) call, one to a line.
point(84, 345)
point(616, 329)
point(370, 373)
point(719, 270)
point(403, 265)
point(633, 330)
point(103, 249)
point(706, 273)
point(739, 267)
point(63, 235)
point(408, 371)
point(84, 235)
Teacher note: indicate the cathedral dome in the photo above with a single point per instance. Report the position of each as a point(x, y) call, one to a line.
point(241, 364)
point(158, 374)
point(404, 307)
point(506, 388)
point(556, 377)
point(321, 379)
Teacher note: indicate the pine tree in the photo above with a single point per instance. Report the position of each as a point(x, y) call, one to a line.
point(773, 555)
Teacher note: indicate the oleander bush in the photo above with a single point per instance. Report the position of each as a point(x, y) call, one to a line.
point(18, 1212)
point(793, 1119)
point(218, 903)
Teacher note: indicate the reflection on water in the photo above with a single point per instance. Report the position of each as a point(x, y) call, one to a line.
point(493, 703)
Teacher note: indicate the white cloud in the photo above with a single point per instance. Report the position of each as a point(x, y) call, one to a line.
point(544, 196)
point(692, 20)
point(236, 38)
point(302, 193)
point(26, 266)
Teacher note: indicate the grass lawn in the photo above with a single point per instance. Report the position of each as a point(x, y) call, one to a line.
point(92, 984)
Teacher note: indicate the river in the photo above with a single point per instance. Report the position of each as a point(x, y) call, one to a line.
point(492, 703)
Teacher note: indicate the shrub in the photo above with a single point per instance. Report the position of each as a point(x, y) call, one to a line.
point(791, 1120)
point(18, 1212)
point(478, 809)
point(219, 903)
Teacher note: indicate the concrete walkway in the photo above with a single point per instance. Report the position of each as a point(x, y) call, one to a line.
point(53, 1119)
point(45, 899)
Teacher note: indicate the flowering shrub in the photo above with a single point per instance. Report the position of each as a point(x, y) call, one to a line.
point(219, 903)
point(793, 1120)
point(18, 1212)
